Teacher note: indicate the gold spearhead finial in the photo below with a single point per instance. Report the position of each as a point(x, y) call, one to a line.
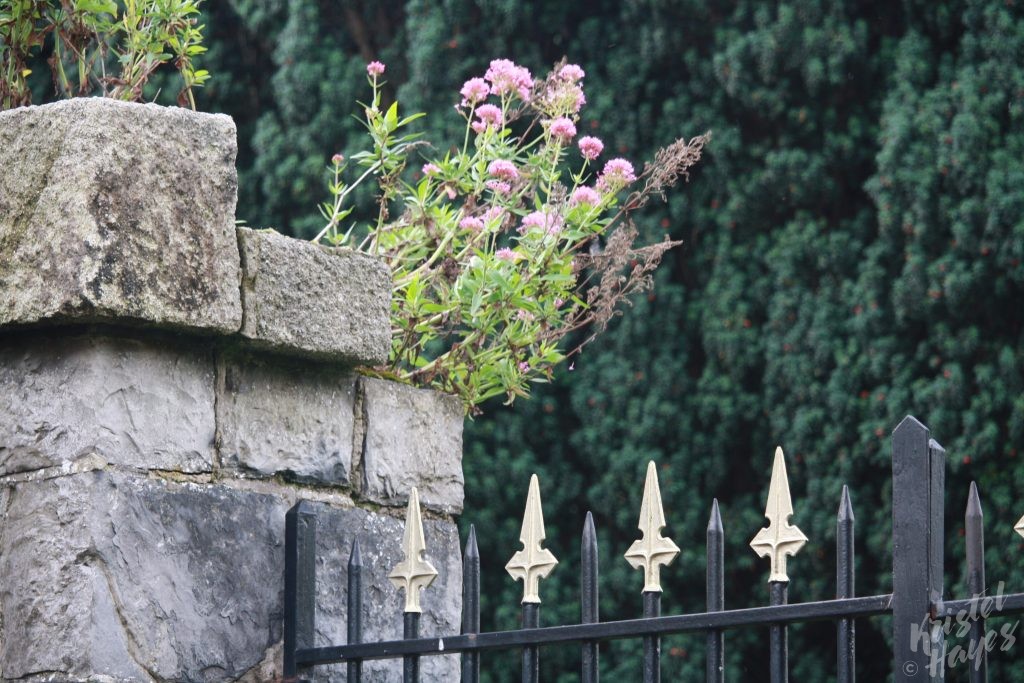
point(532, 563)
point(779, 538)
point(1019, 528)
point(653, 550)
point(414, 573)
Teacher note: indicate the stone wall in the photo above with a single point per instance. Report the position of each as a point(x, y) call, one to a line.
point(169, 386)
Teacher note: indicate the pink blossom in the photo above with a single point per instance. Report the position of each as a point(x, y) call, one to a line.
point(617, 174)
point(552, 223)
point(431, 169)
point(505, 254)
point(498, 186)
point(474, 90)
point(506, 77)
point(471, 223)
point(490, 114)
point(580, 100)
point(500, 168)
point(375, 68)
point(523, 365)
point(338, 159)
point(590, 147)
point(563, 96)
point(478, 127)
point(495, 212)
point(563, 129)
point(571, 72)
point(584, 195)
point(559, 303)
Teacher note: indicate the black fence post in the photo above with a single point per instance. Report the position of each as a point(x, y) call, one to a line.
point(715, 594)
point(299, 584)
point(918, 477)
point(588, 599)
point(845, 634)
point(471, 605)
point(354, 669)
point(974, 531)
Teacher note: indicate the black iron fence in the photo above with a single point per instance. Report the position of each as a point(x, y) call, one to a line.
point(917, 604)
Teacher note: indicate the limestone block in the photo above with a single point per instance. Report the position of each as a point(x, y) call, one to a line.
point(305, 298)
point(140, 403)
point(109, 576)
point(281, 415)
point(112, 210)
point(380, 540)
point(413, 438)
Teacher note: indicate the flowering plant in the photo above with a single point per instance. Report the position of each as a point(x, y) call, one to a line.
point(506, 245)
point(99, 45)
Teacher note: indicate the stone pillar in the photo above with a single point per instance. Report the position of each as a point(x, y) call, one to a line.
point(169, 386)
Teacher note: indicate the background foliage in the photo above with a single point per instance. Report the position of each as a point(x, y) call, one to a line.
point(854, 245)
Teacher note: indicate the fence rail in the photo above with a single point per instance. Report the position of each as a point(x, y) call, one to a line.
point(916, 600)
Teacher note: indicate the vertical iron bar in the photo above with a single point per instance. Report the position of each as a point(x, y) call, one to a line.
point(588, 598)
point(411, 663)
point(974, 523)
point(355, 609)
point(715, 593)
point(652, 644)
point(845, 588)
point(531, 655)
point(299, 584)
point(471, 605)
point(918, 468)
point(779, 635)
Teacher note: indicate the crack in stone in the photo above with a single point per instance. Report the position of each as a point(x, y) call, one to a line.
point(92, 558)
point(359, 430)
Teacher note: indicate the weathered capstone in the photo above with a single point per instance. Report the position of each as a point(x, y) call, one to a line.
point(141, 579)
point(285, 415)
point(307, 298)
point(134, 402)
point(413, 438)
point(111, 210)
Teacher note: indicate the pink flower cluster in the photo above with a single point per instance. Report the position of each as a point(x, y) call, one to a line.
point(495, 213)
point(590, 147)
point(498, 186)
point(507, 77)
point(473, 91)
point(489, 116)
point(571, 73)
point(505, 254)
point(617, 174)
point(431, 169)
point(551, 223)
point(375, 68)
point(506, 170)
point(563, 130)
point(471, 223)
point(585, 195)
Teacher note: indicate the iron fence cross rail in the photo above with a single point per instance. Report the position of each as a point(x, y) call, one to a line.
point(916, 604)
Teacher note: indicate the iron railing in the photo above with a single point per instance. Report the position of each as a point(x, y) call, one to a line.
point(916, 604)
